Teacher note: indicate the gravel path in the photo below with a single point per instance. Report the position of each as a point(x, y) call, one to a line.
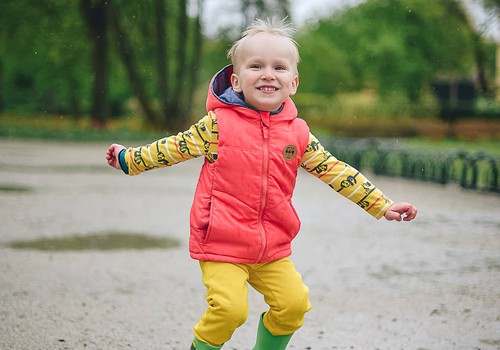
point(430, 284)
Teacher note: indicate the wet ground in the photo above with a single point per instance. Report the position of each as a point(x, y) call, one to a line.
point(430, 284)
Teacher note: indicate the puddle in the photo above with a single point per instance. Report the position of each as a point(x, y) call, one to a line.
point(14, 188)
point(55, 168)
point(493, 342)
point(102, 241)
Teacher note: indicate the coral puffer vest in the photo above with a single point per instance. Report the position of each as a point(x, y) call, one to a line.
point(242, 210)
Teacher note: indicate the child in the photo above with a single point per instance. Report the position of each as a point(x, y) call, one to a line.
point(242, 220)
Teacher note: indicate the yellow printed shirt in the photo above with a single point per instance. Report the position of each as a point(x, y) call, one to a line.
point(201, 139)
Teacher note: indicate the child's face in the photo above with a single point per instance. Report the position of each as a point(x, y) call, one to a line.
point(265, 71)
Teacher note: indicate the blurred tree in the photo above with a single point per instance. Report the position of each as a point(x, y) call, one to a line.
point(388, 45)
point(321, 58)
point(153, 52)
point(252, 9)
point(478, 47)
point(492, 8)
point(95, 14)
point(493, 5)
point(2, 103)
point(41, 50)
point(126, 53)
point(177, 53)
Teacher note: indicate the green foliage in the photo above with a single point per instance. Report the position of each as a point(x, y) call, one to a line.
point(487, 108)
point(42, 55)
point(214, 58)
point(387, 45)
point(365, 104)
point(139, 25)
point(363, 113)
point(388, 49)
point(472, 170)
point(325, 67)
point(58, 127)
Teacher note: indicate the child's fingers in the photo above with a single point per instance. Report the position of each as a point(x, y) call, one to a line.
point(393, 215)
point(111, 156)
point(401, 212)
point(411, 213)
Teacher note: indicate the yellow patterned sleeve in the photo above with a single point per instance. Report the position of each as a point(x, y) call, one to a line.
point(201, 139)
point(344, 179)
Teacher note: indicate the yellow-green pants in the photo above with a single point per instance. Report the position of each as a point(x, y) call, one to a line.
point(227, 298)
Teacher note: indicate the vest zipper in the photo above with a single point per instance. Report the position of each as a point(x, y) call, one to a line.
point(264, 177)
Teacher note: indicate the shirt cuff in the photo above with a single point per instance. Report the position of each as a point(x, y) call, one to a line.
point(121, 160)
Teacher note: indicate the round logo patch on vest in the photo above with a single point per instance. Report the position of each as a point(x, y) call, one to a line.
point(289, 152)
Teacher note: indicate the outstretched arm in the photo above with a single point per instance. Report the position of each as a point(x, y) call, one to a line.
point(353, 185)
point(401, 211)
point(201, 139)
point(344, 179)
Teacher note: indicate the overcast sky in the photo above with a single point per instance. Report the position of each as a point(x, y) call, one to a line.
point(221, 13)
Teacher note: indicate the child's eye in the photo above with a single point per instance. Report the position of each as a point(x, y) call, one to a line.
point(280, 68)
point(255, 66)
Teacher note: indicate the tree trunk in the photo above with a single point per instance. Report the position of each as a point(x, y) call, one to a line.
point(197, 50)
point(162, 57)
point(94, 13)
point(480, 59)
point(177, 105)
point(2, 87)
point(126, 55)
point(263, 9)
point(176, 78)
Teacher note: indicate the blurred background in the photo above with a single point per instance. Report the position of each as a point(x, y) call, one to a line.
point(382, 81)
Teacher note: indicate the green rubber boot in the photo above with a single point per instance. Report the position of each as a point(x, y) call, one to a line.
point(267, 341)
point(199, 345)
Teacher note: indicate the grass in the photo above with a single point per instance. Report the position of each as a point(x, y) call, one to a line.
point(63, 128)
point(414, 133)
point(446, 144)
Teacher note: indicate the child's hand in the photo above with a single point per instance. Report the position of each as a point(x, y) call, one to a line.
point(401, 211)
point(112, 155)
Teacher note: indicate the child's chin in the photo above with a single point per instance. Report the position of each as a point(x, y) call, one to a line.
point(268, 108)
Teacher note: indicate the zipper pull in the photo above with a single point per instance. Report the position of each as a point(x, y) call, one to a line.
point(265, 129)
point(264, 122)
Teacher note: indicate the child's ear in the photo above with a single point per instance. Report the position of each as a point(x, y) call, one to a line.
point(295, 85)
point(235, 83)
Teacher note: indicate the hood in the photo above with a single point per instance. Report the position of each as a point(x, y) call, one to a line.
point(222, 95)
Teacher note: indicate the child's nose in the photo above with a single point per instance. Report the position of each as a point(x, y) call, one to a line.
point(268, 73)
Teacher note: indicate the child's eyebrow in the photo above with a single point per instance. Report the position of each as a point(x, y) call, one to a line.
point(276, 60)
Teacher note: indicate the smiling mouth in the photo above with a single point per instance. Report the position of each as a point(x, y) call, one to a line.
point(268, 88)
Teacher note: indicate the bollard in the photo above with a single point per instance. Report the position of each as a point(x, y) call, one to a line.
point(478, 171)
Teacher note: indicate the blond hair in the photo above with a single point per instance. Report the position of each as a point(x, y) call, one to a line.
point(281, 28)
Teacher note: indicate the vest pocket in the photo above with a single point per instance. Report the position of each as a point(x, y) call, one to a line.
point(284, 222)
point(210, 220)
point(233, 228)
